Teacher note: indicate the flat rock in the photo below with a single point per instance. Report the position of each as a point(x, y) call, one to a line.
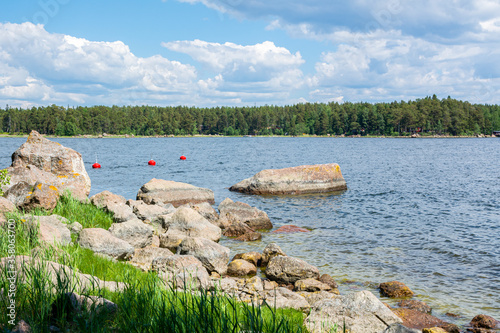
point(361, 312)
point(302, 179)
point(395, 289)
point(102, 241)
point(48, 162)
point(240, 267)
point(213, 256)
point(420, 320)
point(135, 232)
point(289, 270)
point(244, 213)
point(175, 193)
point(415, 305)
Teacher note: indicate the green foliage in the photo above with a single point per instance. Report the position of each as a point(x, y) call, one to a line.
point(428, 116)
point(4, 179)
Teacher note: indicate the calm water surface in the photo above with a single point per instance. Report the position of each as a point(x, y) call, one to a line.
point(422, 211)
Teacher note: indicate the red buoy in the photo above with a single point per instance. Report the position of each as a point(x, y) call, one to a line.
point(183, 157)
point(152, 162)
point(96, 166)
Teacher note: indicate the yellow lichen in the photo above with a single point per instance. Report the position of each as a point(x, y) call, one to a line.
point(39, 186)
point(62, 176)
point(60, 162)
point(53, 188)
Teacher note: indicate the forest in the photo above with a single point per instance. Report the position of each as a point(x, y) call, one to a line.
point(427, 116)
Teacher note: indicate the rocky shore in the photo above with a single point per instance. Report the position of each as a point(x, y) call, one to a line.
point(172, 229)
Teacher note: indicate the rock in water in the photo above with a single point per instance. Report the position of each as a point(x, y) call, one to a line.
point(244, 213)
point(319, 178)
point(47, 162)
point(175, 193)
point(361, 312)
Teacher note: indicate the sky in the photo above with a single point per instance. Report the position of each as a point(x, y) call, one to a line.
point(210, 53)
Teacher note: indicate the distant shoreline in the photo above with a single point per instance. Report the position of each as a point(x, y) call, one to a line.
point(129, 136)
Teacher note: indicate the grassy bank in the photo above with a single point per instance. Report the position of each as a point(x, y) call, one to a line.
point(146, 304)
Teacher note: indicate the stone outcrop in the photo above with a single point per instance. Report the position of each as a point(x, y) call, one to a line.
point(135, 232)
point(213, 256)
point(47, 162)
point(102, 241)
point(395, 289)
point(289, 270)
point(303, 179)
point(175, 193)
point(231, 212)
point(361, 312)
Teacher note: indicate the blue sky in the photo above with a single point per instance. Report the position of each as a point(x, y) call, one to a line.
point(252, 52)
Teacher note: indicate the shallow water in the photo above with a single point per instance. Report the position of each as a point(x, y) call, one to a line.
point(422, 211)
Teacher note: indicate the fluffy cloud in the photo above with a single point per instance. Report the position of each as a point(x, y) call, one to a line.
point(259, 67)
point(43, 68)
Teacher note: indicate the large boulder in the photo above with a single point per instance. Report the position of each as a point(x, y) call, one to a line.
point(48, 162)
point(207, 211)
point(242, 212)
point(420, 320)
point(147, 212)
point(289, 270)
point(189, 222)
point(175, 263)
point(175, 193)
point(213, 256)
point(102, 241)
point(361, 312)
point(135, 232)
point(270, 251)
point(52, 229)
point(240, 267)
point(485, 321)
point(302, 179)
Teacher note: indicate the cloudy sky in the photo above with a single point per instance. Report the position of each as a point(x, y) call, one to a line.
point(247, 52)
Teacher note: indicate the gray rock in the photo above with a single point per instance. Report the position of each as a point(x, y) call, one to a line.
point(208, 212)
point(191, 278)
point(236, 229)
point(227, 285)
point(105, 198)
point(102, 241)
point(242, 212)
point(213, 256)
point(172, 239)
point(284, 298)
point(296, 180)
point(135, 232)
point(53, 229)
point(6, 206)
point(270, 251)
point(289, 270)
point(189, 222)
point(362, 312)
point(80, 303)
point(121, 212)
point(143, 258)
point(149, 212)
point(316, 296)
point(175, 193)
point(174, 264)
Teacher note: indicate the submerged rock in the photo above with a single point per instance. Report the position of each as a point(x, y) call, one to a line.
point(302, 179)
point(395, 289)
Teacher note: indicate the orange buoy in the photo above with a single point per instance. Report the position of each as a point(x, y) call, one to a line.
point(152, 162)
point(96, 166)
point(183, 157)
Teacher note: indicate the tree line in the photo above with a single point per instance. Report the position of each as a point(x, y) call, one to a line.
point(429, 115)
